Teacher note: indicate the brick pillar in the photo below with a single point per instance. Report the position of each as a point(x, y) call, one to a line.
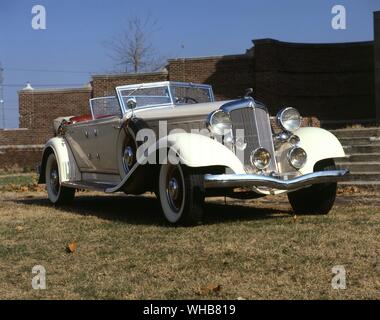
point(265, 71)
point(377, 63)
point(26, 108)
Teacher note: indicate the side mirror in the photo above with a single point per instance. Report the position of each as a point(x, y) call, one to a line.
point(131, 103)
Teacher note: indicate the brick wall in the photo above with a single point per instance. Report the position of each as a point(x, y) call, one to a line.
point(20, 148)
point(104, 85)
point(38, 108)
point(333, 82)
point(229, 75)
point(24, 136)
point(19, 157)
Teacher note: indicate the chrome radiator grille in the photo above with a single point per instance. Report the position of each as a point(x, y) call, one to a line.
point(257, 132)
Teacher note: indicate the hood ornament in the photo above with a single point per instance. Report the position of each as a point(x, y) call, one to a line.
point(248, 92)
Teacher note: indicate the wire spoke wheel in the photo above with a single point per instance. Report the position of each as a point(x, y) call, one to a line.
point(128, 158)
point(54, 178)
point(175, 188)
point(57, 194)
point(181, 193)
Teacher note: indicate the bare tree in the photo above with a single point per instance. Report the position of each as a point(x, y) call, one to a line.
point(133, 50)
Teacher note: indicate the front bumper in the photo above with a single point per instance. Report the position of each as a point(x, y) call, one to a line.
point(250, 180)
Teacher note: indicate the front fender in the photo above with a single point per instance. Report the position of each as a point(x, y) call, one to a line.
point(319, 144)
point(195, 150)
point(68, 170)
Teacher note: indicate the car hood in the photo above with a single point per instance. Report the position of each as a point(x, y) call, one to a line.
point(175, 111)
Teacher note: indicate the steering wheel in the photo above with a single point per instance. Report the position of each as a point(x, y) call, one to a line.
point(186, 100)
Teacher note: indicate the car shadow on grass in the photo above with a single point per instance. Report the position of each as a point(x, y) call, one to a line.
point(146, 210)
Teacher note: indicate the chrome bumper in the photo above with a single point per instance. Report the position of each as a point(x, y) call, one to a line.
point(250, 180)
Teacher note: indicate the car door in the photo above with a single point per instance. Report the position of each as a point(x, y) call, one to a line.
point(103, 132)
point(94, 144)
point(79, 140)
point(103, 144)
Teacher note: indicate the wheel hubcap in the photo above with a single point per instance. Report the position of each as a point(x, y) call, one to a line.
point(174, 189)
point(128, 158)
point(54, 180)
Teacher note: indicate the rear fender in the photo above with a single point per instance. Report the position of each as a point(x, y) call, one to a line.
point(67, 167)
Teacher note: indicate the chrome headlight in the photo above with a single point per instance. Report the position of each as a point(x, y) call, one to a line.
point(220, 122)
point(297, 157)
point(289, 119)
point(260, 158)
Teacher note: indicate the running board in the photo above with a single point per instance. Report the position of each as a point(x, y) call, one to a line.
point(88, 185)
point(104, 187)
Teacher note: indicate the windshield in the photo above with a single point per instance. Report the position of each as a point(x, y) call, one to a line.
point(105, 107)
point(146, 97)
point(190, 94)
point(168, 93)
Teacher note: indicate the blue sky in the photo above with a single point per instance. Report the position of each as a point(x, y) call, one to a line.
point(76, 31)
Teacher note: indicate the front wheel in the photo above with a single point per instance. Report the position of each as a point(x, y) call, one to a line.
point(181, 194)
point(317, 199)
point(57, 194)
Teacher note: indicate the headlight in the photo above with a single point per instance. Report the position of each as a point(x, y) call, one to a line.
point(289, 119)
point(260, 158)
point(297, 157)
point(220, 122)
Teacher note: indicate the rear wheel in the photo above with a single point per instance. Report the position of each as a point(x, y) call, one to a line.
point(57, 194)
point(317, 199)
point(181, 194)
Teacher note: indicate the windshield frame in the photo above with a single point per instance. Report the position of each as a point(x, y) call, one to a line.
point(169, 84)
point(94, 117)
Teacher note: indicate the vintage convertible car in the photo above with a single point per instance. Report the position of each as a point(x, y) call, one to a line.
point(175, 140)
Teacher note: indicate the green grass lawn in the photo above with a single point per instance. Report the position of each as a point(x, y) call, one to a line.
point(17, 179)
point(251, 249)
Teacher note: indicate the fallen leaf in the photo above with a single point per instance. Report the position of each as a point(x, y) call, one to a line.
point(19, 228)
point(348, 190)
point(72, 247)
point(240, 298)
point(210, 288)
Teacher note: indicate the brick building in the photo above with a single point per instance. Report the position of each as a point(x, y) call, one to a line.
point(337, 83)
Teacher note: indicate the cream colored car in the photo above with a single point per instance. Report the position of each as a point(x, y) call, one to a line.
point(175, 140)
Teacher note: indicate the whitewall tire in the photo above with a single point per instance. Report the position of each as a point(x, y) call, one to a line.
point(57, 194)
point(181, 194)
